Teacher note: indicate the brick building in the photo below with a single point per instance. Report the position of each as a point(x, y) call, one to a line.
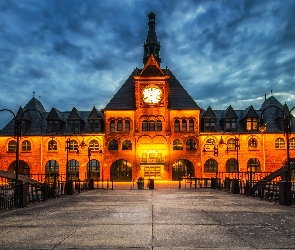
point(151, 128)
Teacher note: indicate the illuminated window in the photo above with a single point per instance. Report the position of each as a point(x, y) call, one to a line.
point(231, 165)
point(292, 142)
point(112, 126)
point(73, 169)
point(127, 126)
point(52, 145)
point(152, 125)
point(176, 125)
point(144, 125)
point(191, 125)
point(73, 145)
point(94, 125)
point(93, 145)
point(94, 167)
point(12, 146)
point(51, 171)
point(231, 144)
point(26, 146)
point(209, 145)
point(209, 124)
point(253, 165)
point(113, 145)
point(279, 143)
point(177, 145)
point(253, 143)
point(159, 125)
point(230, 124)
point(211, 166)
point(126, 145)
point(191, 144)
point(120, 125)
point(252, 124)
point(184, 125)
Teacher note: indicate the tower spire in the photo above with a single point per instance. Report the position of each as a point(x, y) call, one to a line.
point(151, 45)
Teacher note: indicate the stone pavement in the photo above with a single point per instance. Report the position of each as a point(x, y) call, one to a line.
point(150, 219)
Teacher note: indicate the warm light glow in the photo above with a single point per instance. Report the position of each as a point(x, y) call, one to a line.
point(152, 95)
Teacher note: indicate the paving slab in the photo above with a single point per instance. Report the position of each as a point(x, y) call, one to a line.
point(157, 219)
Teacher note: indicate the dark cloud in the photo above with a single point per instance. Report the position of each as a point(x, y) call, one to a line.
point(78, 53)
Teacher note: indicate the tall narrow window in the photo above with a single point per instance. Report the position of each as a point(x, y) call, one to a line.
point(152, 125)
point(112, 126)
point(26, 146)
point(191, 125)
point(159, 125)
point(127, 126)
point(176, 125)
point(12, 146)
point(144, 125)
point(120, 125)
point(184, 125)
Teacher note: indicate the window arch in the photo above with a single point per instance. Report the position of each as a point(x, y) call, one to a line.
point(253, 143)
point(26, 145)
point(113, 145)
point(94, 145)
point(191, 144)
point(126, 145)
point(73, 169)
point(52, 145)
point(292, 142)
point(176, 125)
point(211, 166)
point(73, 145)
point(12, 146)
point(177, 145)
point(279, 143)
point(231, 144)
point(184, 125)
point(253, 165)
point(231, 165)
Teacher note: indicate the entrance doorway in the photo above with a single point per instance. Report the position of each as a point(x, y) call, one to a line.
point(182, 168)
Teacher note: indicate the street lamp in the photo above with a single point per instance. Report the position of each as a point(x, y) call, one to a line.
point(287, 132)
point(18, 133)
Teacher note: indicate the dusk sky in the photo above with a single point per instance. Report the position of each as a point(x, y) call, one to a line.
point(78, 53)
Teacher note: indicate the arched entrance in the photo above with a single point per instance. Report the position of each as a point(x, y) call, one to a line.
point(182, 168)
point(121, 170)
point(23, 168)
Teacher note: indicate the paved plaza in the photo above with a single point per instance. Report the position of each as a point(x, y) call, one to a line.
point(150, 219)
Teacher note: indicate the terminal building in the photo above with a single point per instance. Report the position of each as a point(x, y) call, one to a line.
point(151, 128)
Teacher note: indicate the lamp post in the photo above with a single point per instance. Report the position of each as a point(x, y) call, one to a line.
point(17, 134)
point(287, 132)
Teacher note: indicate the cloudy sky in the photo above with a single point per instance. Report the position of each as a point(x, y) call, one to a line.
point(77, 53)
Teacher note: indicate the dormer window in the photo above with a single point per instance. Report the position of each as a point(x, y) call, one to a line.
point(74, 126)
point(53, 126)
point(94, 125)
point(230, 124)
point(209, 124)
point(251, 124)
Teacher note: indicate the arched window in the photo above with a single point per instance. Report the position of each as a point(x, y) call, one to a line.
point(26, 146)
point(191, 144)
point(152, 125)
point(126, 145)
point(12, 146)
point(292, 142)
point(252, 143)
point(231, 144)
point(209, 145)
point(52, 145)
point(176, 125)
point(51, 171)
point(93, 145)
point(127, 126)
point(191, 125)
point(121, 170)
point(73, 145)
point(120, 125)
point(144, 125)
point(184, 125)
point(231, 165)
point(159, 125)
point(112, 126)
point(93, 169)
point(253, 165)
point(73, 169)
point(279, 143)
point(177, 144)
point(113, 145)
point(211, 166)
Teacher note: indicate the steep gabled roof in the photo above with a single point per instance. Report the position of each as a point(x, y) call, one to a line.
point(74, 115)
point(54, 114)
point(229, 113)
point(152, 68)
point(249, 113)
point(209, 113)
point(178, 96)
point(95, 114)
point(35, 104)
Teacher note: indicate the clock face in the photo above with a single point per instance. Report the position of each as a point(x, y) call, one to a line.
point(152, 95)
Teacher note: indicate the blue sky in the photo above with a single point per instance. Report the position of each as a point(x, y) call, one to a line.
point(78, 53)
